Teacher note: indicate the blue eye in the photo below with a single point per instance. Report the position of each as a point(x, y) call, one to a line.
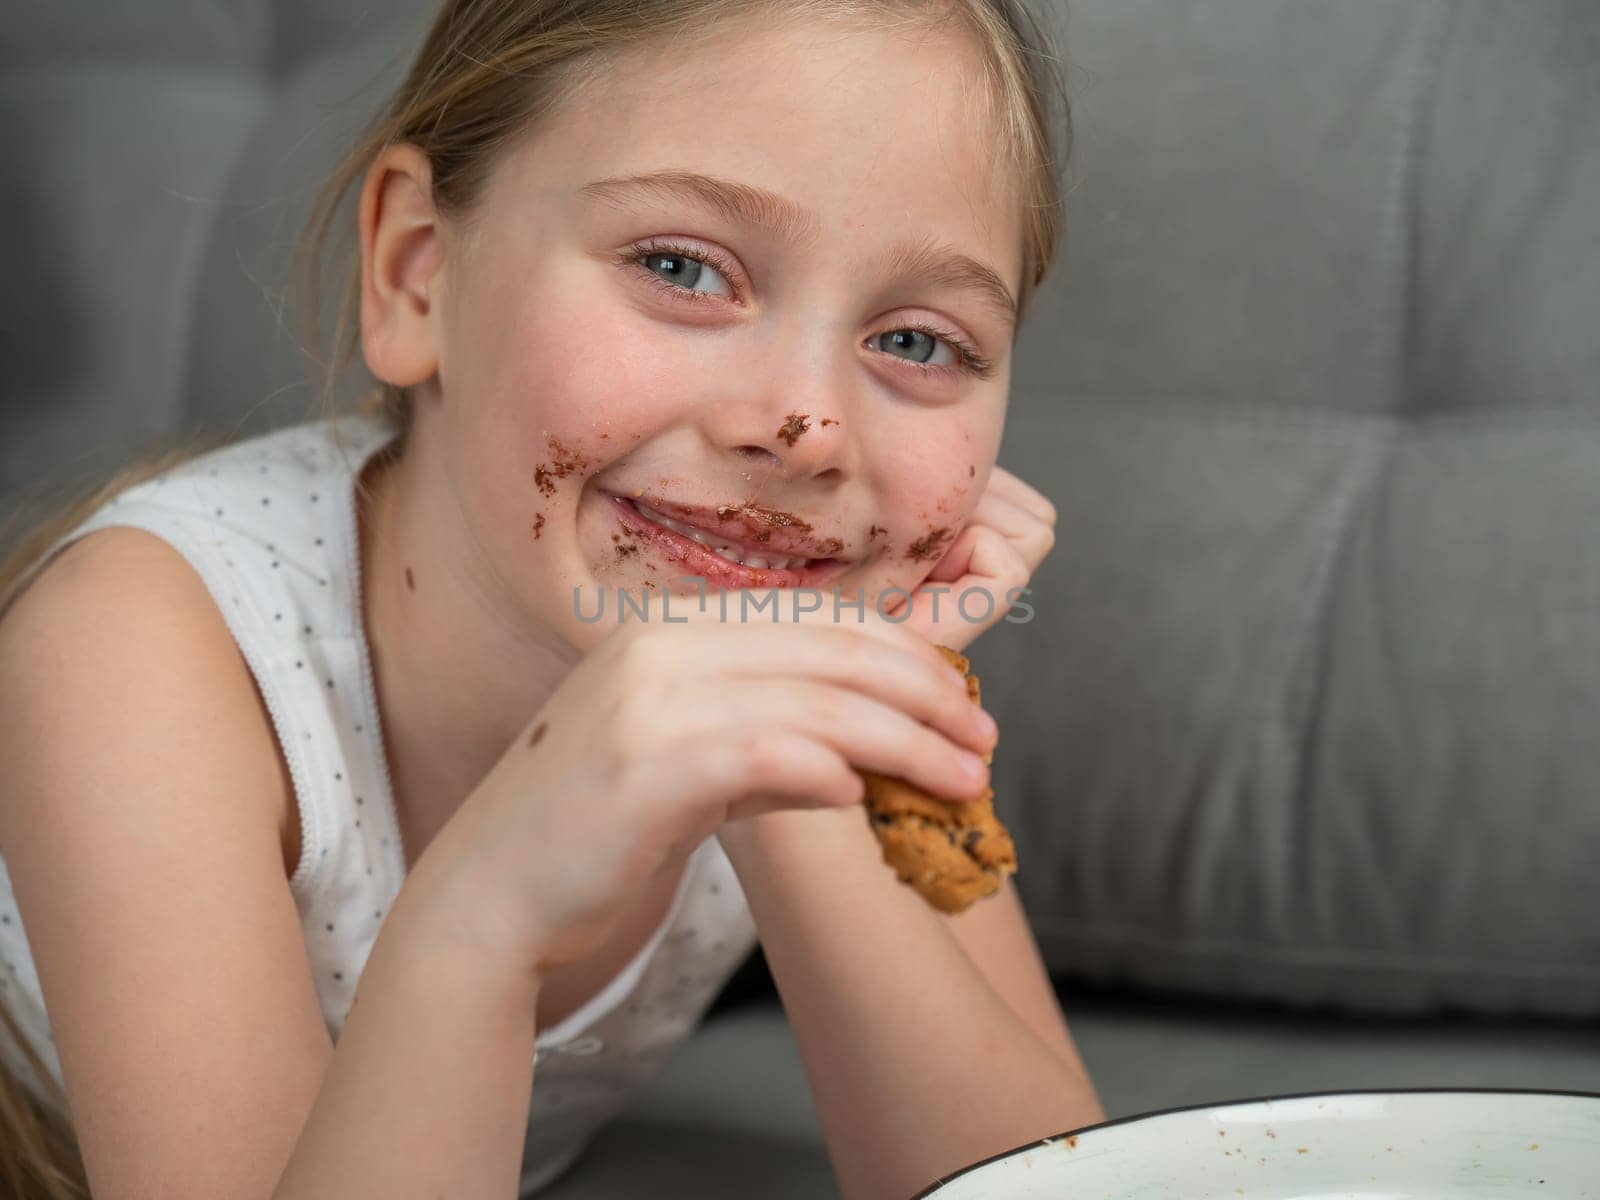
point(677, 270)
point(913, 337)
point(680, 269)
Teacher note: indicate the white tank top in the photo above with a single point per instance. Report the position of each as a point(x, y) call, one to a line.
point(270, 526)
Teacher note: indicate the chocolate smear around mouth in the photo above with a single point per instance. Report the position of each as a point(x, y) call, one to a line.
point(566, 462)
point(754, 517)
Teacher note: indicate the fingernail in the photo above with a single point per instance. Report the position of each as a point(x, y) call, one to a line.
point(972, 764)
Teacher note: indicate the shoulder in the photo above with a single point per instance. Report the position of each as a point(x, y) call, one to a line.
point(117, 640)
point(140, 823)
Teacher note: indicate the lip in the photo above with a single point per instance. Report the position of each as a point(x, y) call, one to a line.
point(701, 560)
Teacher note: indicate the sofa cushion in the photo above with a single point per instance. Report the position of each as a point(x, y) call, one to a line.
point(1307, 707)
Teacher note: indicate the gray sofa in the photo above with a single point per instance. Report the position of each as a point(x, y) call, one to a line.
point(1298, 747)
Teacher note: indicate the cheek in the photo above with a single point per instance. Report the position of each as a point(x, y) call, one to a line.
point(931, 494)
point(583, 371)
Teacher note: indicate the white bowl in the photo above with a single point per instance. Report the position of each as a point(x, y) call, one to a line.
point(1384, 1145)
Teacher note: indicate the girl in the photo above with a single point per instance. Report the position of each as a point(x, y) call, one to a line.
point(388, 870)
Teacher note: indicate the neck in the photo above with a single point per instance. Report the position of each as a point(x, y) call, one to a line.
point(458, 674)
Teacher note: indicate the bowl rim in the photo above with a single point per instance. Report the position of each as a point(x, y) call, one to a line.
point(1183, 1108)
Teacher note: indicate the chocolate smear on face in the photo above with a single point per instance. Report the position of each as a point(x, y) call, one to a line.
point(538, 732)
point(538, 524)
point(826, 421)
point(627, 547)
point(791, 429)
point(565, 462)
point(411, 580)
point(929, 546)
point(971, 470)
point(874, 531)
point(758, 521)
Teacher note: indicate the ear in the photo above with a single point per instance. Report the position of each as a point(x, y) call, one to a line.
point(402, 260)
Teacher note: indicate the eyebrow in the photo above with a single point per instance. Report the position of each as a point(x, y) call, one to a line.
point(928, 260)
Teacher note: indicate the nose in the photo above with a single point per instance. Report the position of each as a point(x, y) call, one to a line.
point(802, 448)
point(787, 413)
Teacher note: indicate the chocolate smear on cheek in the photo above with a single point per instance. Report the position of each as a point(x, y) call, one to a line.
point(538, 733)
point(791, 429)
point(943, 505)
point(564, 461)
point(826, 421)
point(930, 545)
point(538, 523)
point(411, 580)
point(971, 470)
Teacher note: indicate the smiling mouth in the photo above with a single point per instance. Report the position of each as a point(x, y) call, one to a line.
point(722, 547)
point(723, 561)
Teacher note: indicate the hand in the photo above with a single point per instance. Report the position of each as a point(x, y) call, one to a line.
point(1003, 543)
point(663, 733)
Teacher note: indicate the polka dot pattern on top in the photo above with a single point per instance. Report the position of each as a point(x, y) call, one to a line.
point(269, 524)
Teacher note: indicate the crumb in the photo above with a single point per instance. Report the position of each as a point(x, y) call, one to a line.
point(791, 429)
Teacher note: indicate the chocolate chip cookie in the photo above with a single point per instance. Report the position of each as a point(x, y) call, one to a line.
point(952, 854)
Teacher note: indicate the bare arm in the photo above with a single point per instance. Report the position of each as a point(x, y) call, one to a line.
point(427, 1095)
point(141, 823)
point(917, 1065)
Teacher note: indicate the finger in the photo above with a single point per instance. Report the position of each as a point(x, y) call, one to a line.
point(679, 799)
point(1032, 535)
point(894, 666)
point(907, 673)
point(1024, 495)
point(994, 566)
point(797, 772)
point(881, 658)
point(869, 734)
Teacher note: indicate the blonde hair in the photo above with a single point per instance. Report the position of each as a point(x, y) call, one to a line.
point(487, 71)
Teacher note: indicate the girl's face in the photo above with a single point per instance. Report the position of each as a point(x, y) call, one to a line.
point(760, 285)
